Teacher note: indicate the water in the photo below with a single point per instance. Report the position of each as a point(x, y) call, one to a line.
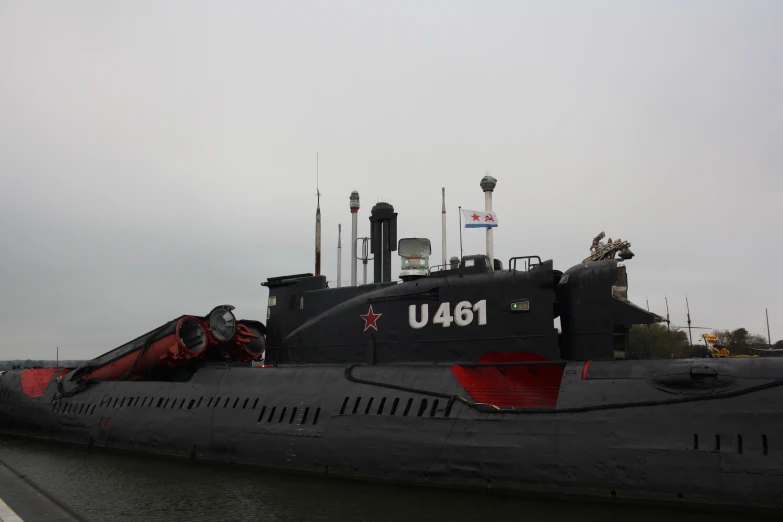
point(112, 487)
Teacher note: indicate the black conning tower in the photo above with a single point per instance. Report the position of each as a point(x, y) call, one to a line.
point(383, 240)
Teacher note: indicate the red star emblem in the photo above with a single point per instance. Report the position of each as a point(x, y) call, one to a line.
point(489, 218)
point(475, 217)
point(370, 319)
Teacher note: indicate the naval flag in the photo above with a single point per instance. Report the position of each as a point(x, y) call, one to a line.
point(476, 219)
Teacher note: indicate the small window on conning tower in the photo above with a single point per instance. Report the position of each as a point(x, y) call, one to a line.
point(282, 414)
point(315, 418)
point(408, 407)
point(394, 406)
point(345, 403)
point(191, 403)
point(244, 404)
point(304, 415)
point(293, 415)
point(356, 404)
point(271, 414)
point(255, 403)
point(434, 408)
point(369, 405)
point(235, 403)
point(160, 401)
point(380, 408)
point(422, 408)
point(261, 415)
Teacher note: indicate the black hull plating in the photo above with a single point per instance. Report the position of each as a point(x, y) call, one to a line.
point(668, 444)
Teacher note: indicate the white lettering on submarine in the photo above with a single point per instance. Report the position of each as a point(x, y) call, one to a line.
point(463, 314)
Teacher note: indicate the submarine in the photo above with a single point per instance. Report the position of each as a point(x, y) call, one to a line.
point(454, 376)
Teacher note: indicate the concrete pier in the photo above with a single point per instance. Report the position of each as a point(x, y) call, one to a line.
point(21, 500)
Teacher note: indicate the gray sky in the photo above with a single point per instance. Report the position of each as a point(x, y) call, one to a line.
point(158, 158)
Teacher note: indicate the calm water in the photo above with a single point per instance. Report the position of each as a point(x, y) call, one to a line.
point(118, 487)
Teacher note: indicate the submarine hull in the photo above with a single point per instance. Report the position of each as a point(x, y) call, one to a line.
point(631, 430)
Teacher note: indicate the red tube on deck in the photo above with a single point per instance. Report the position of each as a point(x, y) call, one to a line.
point(188, 341)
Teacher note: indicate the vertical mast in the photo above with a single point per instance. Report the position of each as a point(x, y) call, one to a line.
point(769, 337)
point(317, 222)
point(339, 255)
point(690, 337)
point(488, 184)
point(354, 205)
point(443, 227)
point(668, 329)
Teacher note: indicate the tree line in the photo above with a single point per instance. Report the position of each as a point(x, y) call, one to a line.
point(29, 363)
point(656, 341)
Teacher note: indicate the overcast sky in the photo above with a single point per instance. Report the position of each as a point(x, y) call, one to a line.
point(159, 158)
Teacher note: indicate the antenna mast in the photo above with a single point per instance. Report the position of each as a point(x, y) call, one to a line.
point(443, 227)
point(339, 255)
point(668, 327)
point(690, 337)
point(317, 221)
point(769, 338)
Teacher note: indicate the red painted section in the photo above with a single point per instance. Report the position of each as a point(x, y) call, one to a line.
point(247, 345)
point(168, 350)
point(36, 380)
point(535, 386)
point(584, 370)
